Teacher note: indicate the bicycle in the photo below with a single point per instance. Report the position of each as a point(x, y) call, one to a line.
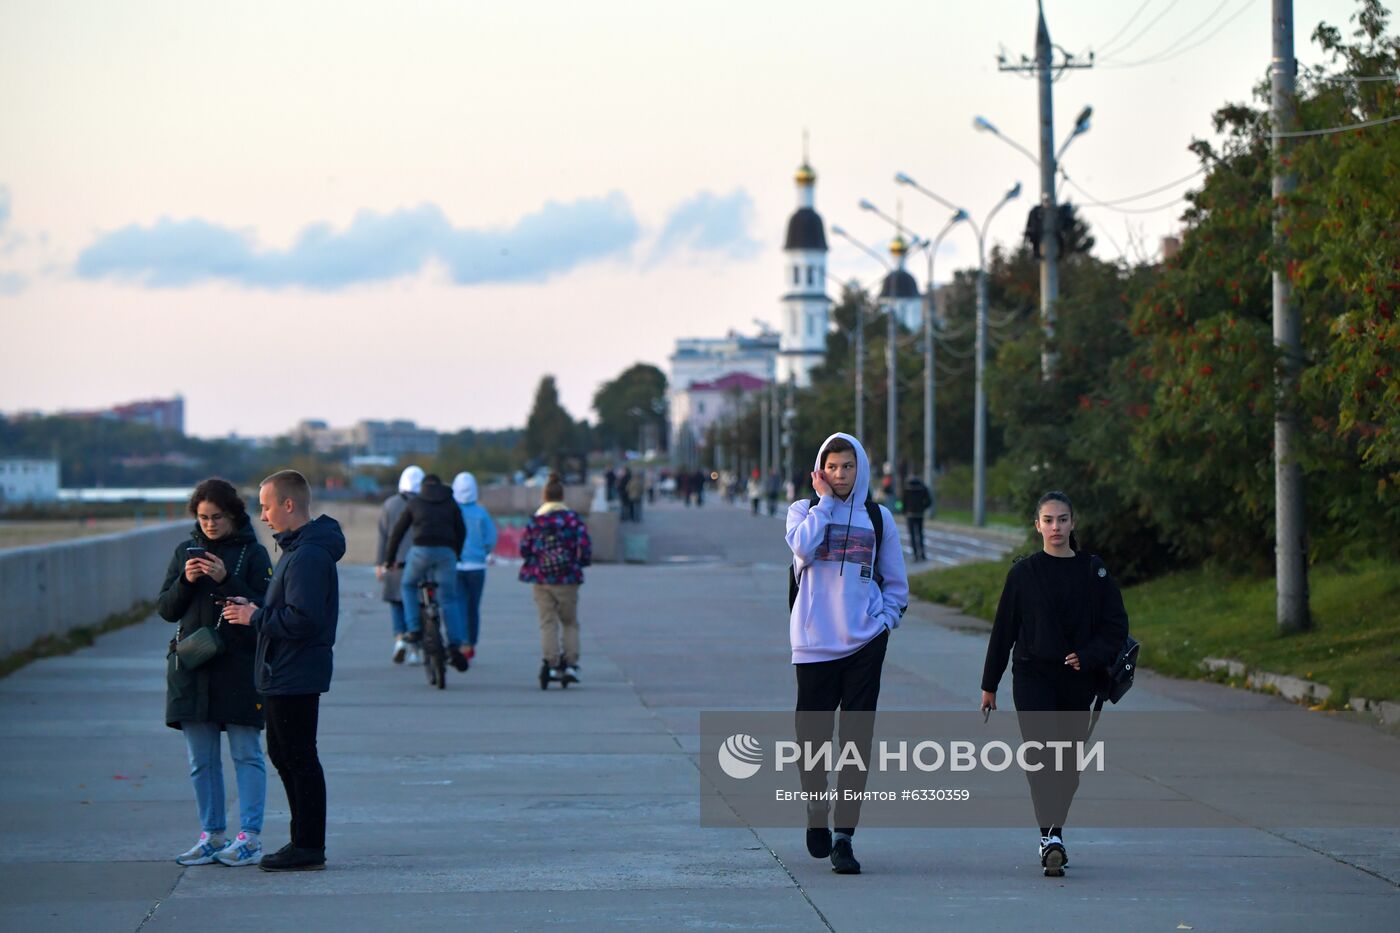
point(434, 652)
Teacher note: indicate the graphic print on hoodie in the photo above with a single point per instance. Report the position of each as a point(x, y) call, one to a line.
point(839, 606)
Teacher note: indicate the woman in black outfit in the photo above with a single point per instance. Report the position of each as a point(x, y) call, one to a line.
point(222, 558)
point(1062, 623)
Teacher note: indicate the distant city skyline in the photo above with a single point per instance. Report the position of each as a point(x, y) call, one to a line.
point(351, 211)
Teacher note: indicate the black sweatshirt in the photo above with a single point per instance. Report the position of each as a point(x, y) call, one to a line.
point(1052, 606)
point(435, 518)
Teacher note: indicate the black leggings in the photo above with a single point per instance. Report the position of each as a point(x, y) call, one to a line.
point(1052, 703)
point(291, 744)
point(853, 684)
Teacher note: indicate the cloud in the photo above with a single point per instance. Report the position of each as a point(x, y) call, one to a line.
point(375, 247)
point(710, 223)
point(12, 283)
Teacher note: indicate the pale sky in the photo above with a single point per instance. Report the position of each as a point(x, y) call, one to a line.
point(350, 210)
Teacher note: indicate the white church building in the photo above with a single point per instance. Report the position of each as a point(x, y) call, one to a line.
point(745, 365)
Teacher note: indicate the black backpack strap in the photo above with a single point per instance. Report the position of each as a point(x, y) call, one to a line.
point(793, 579)
point(1094, 716)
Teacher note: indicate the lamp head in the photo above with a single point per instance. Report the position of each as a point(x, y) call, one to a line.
point(838, 230)
point(902, 179)
point(984, 125)
point(959, 217)
point(866, 205)
point(1081, 123)
point(1014, 192)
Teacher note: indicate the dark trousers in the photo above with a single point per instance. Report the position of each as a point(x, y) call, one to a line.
point(851, 683)
point(1052, 704)
point(291, 744)
point(916, 536)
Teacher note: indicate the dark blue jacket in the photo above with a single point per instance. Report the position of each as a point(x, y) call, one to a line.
point(296, 623)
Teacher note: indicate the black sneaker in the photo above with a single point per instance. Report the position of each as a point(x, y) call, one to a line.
point(290, 858)
point(456, 658)
point(843, 860)
point(819, 842)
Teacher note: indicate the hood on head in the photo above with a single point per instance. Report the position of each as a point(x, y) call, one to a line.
point(434, 492)
point(411, 479)
point(323, 532)
point(861, 491)
point(464, 488)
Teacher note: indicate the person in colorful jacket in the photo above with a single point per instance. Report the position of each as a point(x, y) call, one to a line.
point(555, 549)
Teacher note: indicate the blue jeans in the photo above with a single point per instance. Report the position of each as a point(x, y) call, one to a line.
point(438, 564)
point(207, 774)
point(470, 583)
point(396, 614)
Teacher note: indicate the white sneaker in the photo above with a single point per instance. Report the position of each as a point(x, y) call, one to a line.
point(1053, 857)
point(415, 655)
point(400, 648)
point(571, 674)
point(205, 851)
point(243, 849)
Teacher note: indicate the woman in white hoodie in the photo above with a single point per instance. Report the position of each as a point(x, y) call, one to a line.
point(852, 590)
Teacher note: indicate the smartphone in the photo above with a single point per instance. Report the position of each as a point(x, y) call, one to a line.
point(986, 713)
point(195, 551)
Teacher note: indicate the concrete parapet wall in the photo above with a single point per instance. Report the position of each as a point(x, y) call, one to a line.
point(51, 589)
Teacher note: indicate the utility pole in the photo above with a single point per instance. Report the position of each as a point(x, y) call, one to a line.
point(1046, 68)
point(860, 371)
point(1290, 520)
point(763, 445)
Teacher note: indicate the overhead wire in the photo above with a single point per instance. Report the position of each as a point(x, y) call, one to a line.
point(1124, 28)
point(1165, 56)
point(1144, 31)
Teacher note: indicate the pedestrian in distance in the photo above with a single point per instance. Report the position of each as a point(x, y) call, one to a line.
point(915, 503)
point(438, 535)
point(848, 591)
point(1061, 623)
point(636, 493)
point(555, 549)
point(296, 626)
point(472, 559)
point(221, 559)
point(773, 489)
point(388, 568)
point(755, 490)
point(624, 494)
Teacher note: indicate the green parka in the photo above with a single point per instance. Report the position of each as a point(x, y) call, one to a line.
point(221, 690)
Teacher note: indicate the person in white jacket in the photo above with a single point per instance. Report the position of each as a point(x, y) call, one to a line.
point(852, 590)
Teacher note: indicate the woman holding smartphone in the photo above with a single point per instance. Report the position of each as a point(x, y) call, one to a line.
point(1063, 615)
point(221, 560)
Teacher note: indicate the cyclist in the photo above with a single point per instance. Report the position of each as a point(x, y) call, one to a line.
point(438, 535)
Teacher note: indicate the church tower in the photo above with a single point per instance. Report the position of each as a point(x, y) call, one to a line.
point(899, 292)
point(805, 304)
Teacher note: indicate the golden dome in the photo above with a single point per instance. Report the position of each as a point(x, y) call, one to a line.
point(805, 175)
point(898, 247)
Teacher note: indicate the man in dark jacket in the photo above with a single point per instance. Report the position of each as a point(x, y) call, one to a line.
point(916, 501)
point(438, 535)
point(296, 630)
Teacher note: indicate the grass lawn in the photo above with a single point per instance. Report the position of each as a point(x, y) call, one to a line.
point(1354, 646)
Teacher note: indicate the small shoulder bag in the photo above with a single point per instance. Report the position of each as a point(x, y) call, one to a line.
point(201, 646)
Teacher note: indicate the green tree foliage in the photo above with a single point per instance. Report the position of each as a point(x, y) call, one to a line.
point(635, 398)
point(550, 433)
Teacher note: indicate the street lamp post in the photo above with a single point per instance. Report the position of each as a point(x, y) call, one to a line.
point(979, 404)
point(859, 327)
point(930, 324)
point(1048, 163)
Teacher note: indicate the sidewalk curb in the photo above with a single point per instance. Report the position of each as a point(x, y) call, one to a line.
point(1298, 689)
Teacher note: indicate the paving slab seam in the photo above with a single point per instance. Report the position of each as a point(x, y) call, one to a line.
point(161, 900)
point(752, 831)
point(1336, 858)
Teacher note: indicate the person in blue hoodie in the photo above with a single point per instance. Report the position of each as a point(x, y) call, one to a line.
point(292, 664)
point(471, 562)
point(852, 590)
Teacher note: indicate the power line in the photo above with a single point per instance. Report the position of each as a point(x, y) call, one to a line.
point(1124, 28)
point(1145, 29)
point(1135, 197)
point(1195, 29)
point(1163, 56)
point(1335, 129)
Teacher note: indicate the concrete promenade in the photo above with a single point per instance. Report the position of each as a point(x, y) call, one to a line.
point(496, 806)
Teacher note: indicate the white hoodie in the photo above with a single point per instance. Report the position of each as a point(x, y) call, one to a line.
point(839, 607)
